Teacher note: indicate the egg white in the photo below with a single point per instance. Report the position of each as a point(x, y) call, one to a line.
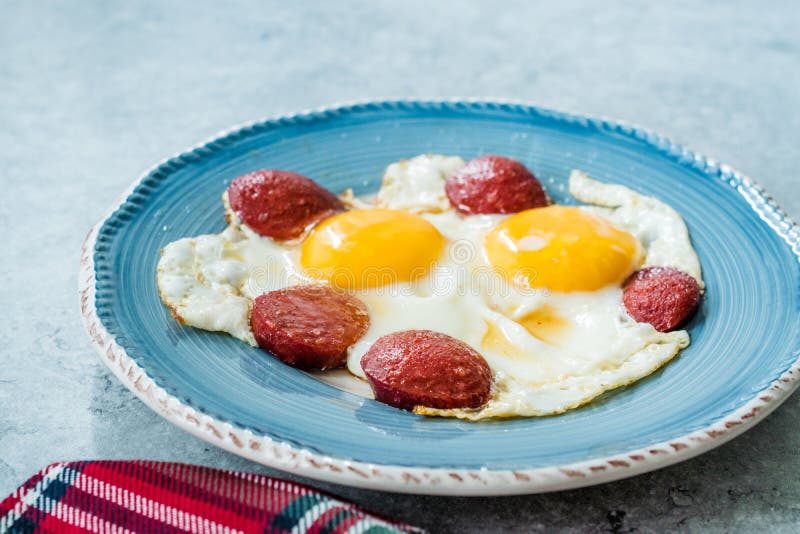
point(209, 282)
point(417, 184)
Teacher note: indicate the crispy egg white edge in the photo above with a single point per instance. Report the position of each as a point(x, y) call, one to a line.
point(196, 302)
point(511, 399)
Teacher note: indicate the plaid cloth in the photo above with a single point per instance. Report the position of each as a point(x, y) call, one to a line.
point(142, 496)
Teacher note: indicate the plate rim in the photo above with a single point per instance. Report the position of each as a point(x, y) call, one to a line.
point(426, 480)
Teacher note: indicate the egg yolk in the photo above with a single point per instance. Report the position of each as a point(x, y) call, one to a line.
point(371, 248)
point(545, 324)
point(561, 248)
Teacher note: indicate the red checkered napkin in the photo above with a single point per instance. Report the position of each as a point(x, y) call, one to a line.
point(142, 496)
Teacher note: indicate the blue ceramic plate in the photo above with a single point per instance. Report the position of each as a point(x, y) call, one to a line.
point(742, 362)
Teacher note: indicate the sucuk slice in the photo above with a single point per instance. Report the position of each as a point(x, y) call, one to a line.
point(310, 327)
point(280, 204)
point(662, 296)
point(425, 368)
point(494, 184)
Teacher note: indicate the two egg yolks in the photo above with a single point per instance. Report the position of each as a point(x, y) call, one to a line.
point(557, 247)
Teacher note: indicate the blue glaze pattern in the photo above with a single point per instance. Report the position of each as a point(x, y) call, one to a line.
point(744, 337)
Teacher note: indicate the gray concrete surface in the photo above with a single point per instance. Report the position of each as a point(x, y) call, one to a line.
point(93, 92)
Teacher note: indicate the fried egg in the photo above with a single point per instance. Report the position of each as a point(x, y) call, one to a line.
point(537, 293)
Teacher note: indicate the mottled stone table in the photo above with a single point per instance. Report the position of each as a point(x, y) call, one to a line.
point(94, 92)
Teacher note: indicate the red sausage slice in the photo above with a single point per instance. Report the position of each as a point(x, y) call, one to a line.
point(280, 204)
point(425, 368)
point(494, 184)
point(662, 296)
point(310, 327)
